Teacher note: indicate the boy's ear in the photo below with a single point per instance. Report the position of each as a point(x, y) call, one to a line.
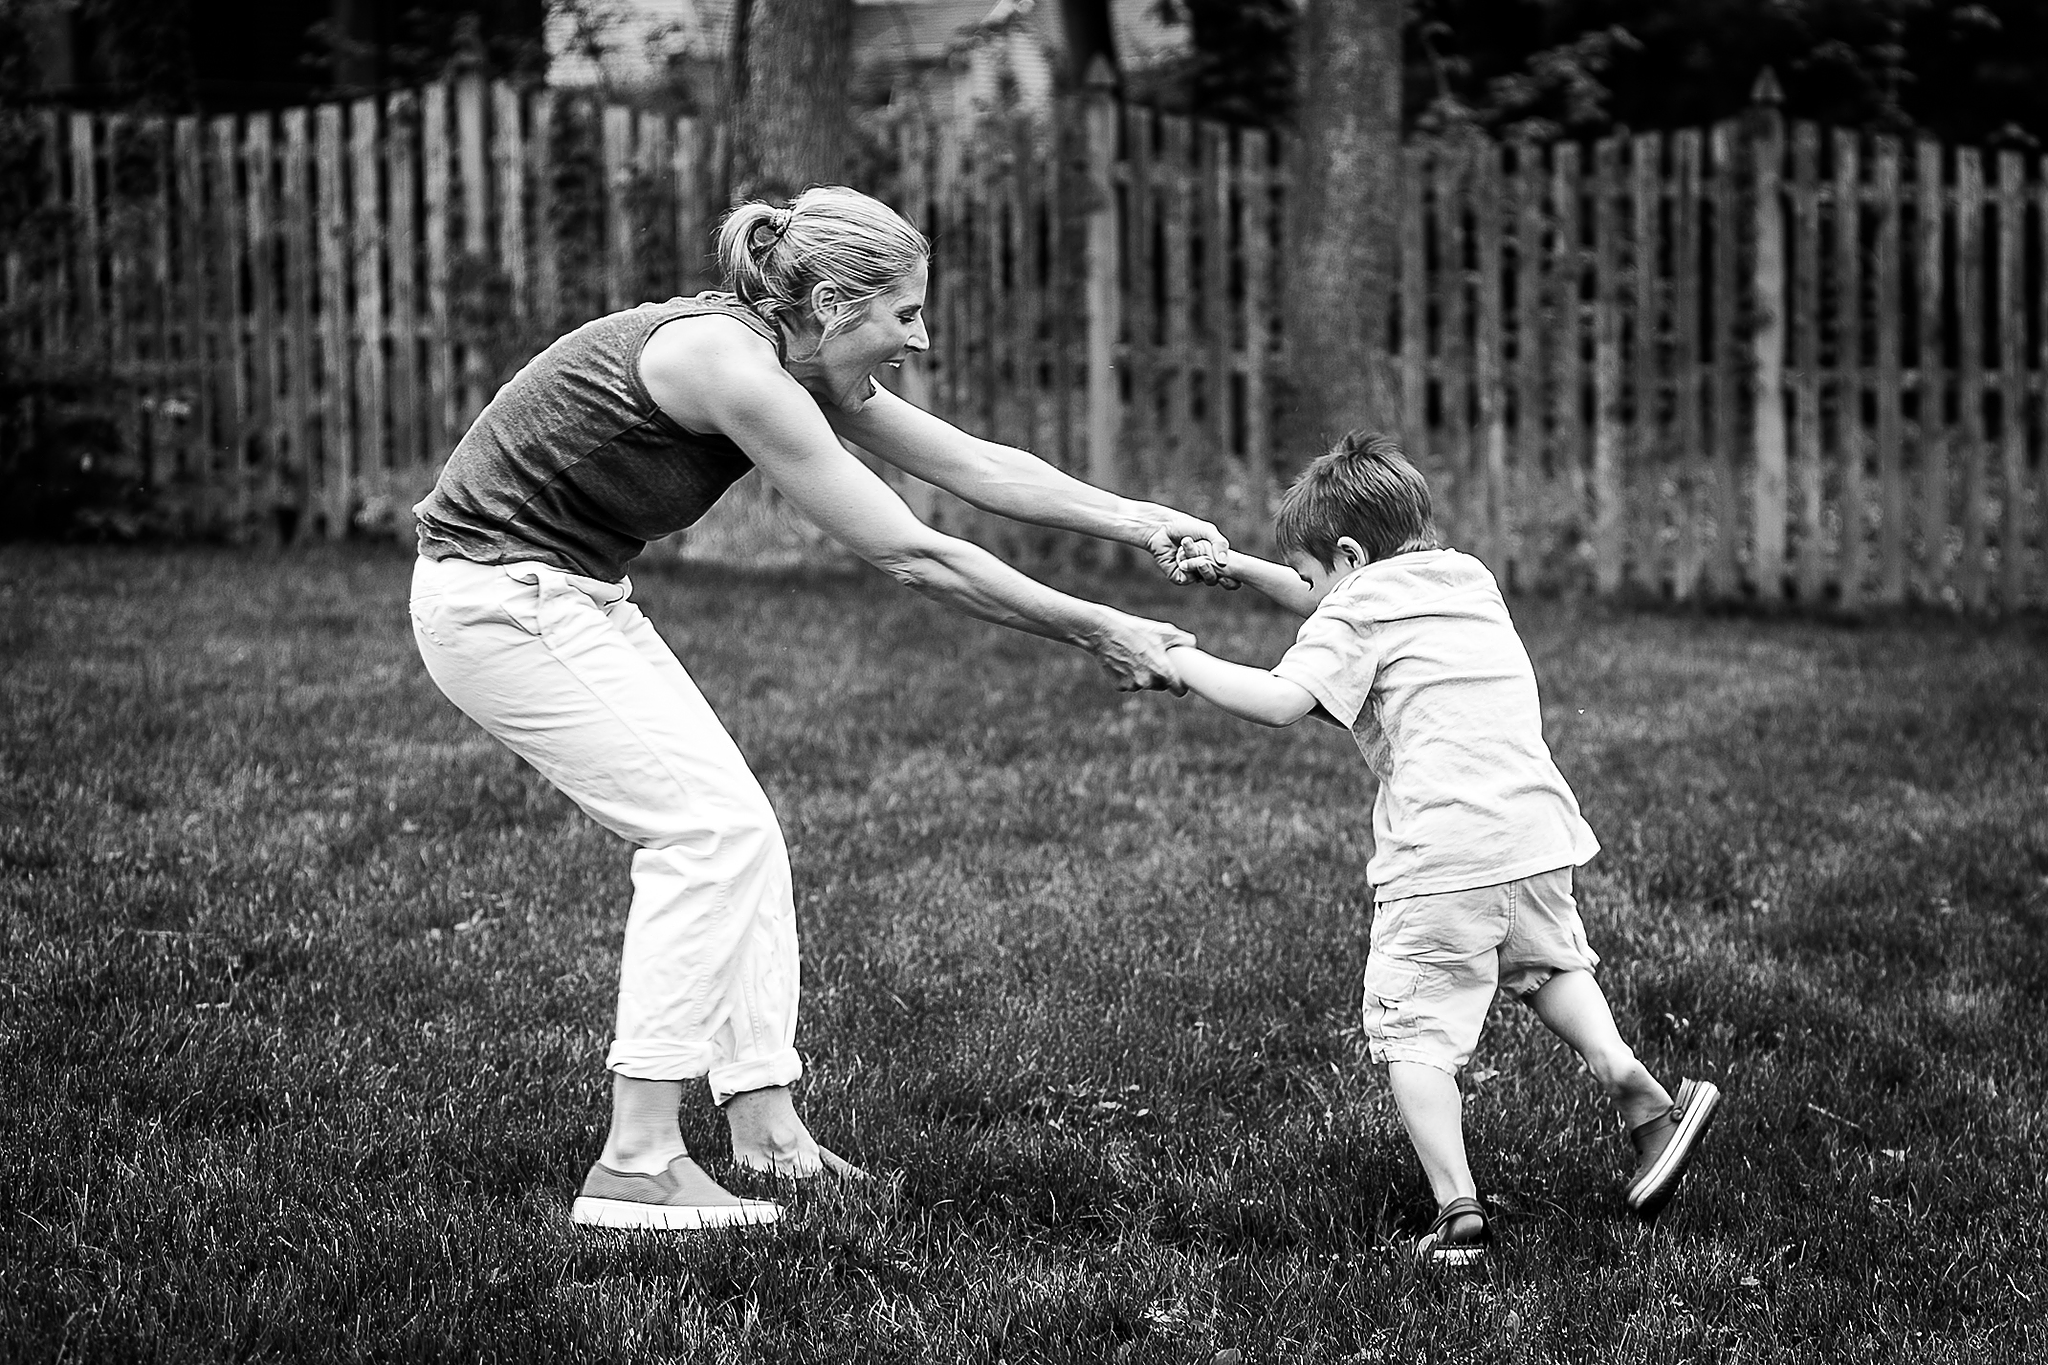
point(1351, 551)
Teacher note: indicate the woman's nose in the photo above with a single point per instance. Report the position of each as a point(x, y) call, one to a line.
point(919, 339)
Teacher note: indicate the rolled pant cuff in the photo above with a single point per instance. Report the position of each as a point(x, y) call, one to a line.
point(756, 1073)
point(1382, 1055)
point(651, 1059)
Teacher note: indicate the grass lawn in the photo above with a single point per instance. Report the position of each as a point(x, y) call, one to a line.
point(307, 985)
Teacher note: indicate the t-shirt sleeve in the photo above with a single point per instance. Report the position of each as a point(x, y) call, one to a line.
point(1335, 659)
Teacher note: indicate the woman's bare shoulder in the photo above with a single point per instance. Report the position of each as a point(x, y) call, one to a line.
point(690, 363)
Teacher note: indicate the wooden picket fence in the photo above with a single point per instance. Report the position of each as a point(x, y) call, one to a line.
point(1750, 361)
point(1744, 361)
point(299, 312)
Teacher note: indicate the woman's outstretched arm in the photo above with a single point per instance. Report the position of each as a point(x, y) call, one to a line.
point(1017, 484)
point(739, 389)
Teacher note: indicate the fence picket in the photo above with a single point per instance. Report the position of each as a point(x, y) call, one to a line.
point(226, 315)
point(1724, 563)
point(1767, 352)
point(1809, 548)
point(366, 233)
point(1646, 457)
point(1416, 173)
point(1258, 153)
point(1526, 305)
point(692, 224)
point(1931, 393)
point(410, 449)
point(508, 163)
point(1849, 388)
point(337, 410)
point(83, 146)
point(1028, 294)
point(445, 418)
point(2037, 291)
point(1969, 448)
point(652, 278)
point(544, 241)
point(473, 183)
point(1688, 398)
point(1885, 325)
point(2011, 321)
point(1176, 389)
point(1141, 310)
point(1608, 544)
point(1569, 385)
point(258, 166)
point(1489, 503)
point(1453, 289)
point(1212, 304)
point(164, 417)
point(296, 469)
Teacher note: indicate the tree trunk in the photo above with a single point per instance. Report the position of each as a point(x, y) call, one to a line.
point(1085, 34)
point(792, 118)
point(1342, 262)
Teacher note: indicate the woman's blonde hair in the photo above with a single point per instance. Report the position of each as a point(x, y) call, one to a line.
point(773, 257)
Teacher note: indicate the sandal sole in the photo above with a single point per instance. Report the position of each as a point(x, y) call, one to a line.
point(1648, 1196)
point(592, 1212)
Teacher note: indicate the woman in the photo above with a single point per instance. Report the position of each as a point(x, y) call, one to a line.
point(627, 429)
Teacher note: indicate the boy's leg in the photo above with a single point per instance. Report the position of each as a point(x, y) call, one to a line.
point(1429, 979)
point(1432, 1111)
point(1572, 1005)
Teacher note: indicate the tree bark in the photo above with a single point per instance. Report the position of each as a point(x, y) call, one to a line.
point(792, 78)
point(1085, 34)
point(1341, 270)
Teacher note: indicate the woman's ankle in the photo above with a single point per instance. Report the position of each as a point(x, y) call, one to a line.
point(640, 1156)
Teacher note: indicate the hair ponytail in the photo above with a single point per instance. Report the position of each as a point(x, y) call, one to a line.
point(773, 257)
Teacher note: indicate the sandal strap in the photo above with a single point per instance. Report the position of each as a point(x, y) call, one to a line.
point(1643, 1132)
point(1458, 1208)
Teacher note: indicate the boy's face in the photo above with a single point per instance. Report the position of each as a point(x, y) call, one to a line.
point(1323, 578)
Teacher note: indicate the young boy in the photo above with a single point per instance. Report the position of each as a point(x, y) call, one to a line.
point(1475, 832)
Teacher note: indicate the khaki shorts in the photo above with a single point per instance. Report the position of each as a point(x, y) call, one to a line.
point(1437, 960)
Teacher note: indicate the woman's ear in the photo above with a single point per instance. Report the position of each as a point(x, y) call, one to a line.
point(824, 301)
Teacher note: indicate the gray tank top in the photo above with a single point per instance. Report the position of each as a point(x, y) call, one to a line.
point(573, 463)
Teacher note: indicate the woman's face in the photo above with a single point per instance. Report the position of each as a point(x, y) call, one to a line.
point(889, 331)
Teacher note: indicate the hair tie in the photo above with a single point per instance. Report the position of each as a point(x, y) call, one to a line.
point(777, 222)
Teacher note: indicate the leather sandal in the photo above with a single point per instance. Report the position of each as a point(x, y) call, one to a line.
point(1459, 1236)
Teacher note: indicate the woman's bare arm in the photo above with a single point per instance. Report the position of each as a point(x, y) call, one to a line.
point(1015, 483)
point(728, 381)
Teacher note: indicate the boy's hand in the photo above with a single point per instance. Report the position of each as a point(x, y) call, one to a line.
point(1133, 651)
point(1177, 535)
point(1196, 559)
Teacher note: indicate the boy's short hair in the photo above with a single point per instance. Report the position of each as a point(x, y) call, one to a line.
point(1364, 488)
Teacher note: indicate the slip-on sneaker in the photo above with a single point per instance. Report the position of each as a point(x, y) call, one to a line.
point(1665, 1145)
point(681, 1198)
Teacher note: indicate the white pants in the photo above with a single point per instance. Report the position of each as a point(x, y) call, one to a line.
point(566, 673)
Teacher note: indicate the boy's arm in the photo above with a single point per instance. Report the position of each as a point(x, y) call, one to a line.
point(1248, 693)
point(1275, 582)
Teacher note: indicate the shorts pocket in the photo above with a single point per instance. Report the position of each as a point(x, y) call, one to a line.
point(1388, 1013)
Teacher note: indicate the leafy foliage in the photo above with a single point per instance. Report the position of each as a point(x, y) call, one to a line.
point(1974, 72)
point(1967, 70)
